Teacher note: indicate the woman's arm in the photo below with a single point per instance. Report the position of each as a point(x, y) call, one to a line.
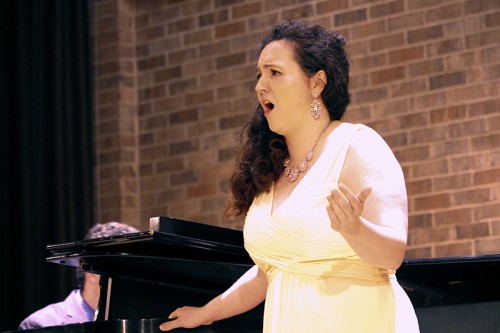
point(370, 206)
point(245, 294)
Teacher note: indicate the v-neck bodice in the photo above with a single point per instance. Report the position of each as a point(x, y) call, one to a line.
point(332, 146)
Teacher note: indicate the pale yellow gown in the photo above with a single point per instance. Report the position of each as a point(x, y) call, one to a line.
point(316, 283)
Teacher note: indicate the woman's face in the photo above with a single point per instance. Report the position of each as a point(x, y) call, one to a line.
point(282, 87)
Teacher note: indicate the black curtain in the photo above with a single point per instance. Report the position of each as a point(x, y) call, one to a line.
point(46, 148)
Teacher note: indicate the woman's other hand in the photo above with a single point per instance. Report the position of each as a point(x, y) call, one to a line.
point(186, 317)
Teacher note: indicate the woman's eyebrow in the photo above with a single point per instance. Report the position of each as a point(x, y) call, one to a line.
point(266, 66)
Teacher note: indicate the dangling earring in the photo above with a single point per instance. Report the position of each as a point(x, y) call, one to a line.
point(315, 107)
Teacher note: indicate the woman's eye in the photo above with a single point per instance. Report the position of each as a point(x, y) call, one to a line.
point(258, 76)
point(273, 72)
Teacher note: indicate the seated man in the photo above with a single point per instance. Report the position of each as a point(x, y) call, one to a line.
point(80, 305)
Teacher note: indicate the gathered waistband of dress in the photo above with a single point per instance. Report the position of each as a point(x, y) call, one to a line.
point(349, 267)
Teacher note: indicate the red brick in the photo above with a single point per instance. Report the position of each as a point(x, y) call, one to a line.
point(446, 80)
point(164, 45)
point(151, 63)
point(454, 249)
point(427, 135)
point(471, 196)
point(449, 148)
point(454, 216)
point(492, 20)
point(425, 34)
point(201, 190)
point(406, 55)
point(256, 23)
point(487, 211)
point(182, 25)
point(412, 154)
point(223, 3)
point(200, 98)
point(408, 88)
point(182, 86)
point(230, 60)
point(419, 186)
point(420, 252)
point(213, 18)
point(452, 182)
point(484, 107)
point(426, 67)
point(184, 147)
point(350, 17)
point(198, 37)
point(486, 142)
point(153, 92)
point(161, 15)
point(183, 55)
point(151, 33)
point(199, 67)
point(386, 9)
point(487, 245)
point(429, 101)
point(171, 164)
point(387, 41)
point(195, 7)
point(229, 29)
point(184, 177)
point(482, 39)
point(184, 116)
point(202, 127)
point(217, 172)
point(371, 95)
point(428, 235)
point(487, 177)
point(433, 202)
point(388, 75)
point(298, 13)
point(444, 13)
point(154, 122)
point(237, 121)
point(448, 114)
point(168, 74)
point(466, 129)
point(396, 140)
point(460, 61)
point(220, 47)
point(477, 230)
point(246, 10)
point(419, 221)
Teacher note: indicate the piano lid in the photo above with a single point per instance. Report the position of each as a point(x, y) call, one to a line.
point(451, 280)
point(173, 238)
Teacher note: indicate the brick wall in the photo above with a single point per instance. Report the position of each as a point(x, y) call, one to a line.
point(174, 84)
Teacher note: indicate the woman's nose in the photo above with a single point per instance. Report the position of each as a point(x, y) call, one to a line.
point(259, 87)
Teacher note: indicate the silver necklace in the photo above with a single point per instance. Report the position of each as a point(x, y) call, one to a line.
point(292, 172)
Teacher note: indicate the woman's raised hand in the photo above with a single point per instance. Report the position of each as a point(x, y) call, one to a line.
point(345, 208)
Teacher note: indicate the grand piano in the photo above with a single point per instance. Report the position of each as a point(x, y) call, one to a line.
point(146, 275)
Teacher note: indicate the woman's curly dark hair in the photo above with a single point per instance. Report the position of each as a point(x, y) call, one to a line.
point(260, 155)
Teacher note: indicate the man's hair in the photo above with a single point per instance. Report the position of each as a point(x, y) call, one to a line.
point(101, 230)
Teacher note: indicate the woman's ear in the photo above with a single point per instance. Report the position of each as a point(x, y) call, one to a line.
point(319, 81)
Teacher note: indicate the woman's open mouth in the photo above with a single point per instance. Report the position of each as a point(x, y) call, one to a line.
point(267, 106)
